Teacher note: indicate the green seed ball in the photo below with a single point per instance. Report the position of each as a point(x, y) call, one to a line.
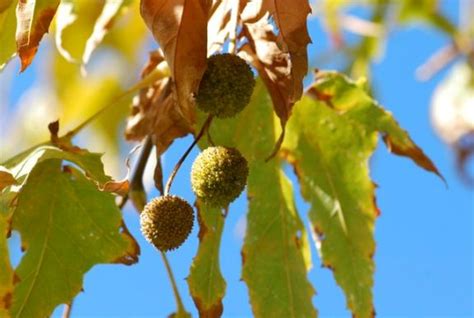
point(226, 86)
point(219, 175)
point(166, 222)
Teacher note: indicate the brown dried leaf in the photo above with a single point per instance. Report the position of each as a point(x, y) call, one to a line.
point(154, 111)
point(272, 64)
point(120, 187)
point(274, 67)
point(6, 178)
point(290, 17)
point(33, 18)
point(219, 26)
point(180, 27)
point(293, 38)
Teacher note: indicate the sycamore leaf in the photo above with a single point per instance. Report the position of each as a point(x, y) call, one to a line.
point(6, 272)
point(88, 161)
point(110, 12)
point(67, 226)
point(330, 139)
point(274, 255)
point(344, 95)
point(206, 284)
point(7, 31)
point(180, 28)
point(293, 38)
point(273, 66)
point(330, 157)
point(272, 63)
point(281, 60)
point(290, 17)
point(154, 111)
point(65, 17)
point(6, 178)
point(33, 18)
point(219, 26)
point(82, 25)
point(428, 11)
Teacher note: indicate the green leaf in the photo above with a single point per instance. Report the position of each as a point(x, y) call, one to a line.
point(7, 32)
point(330, 157)
point(66, 226)
point(206, 284)
point(427, 11)
point(274, 255)
point(88, 161)
point(6, 272)
point(330, 139)
point(351, 100)
point(274, 266)
point(82, 26)
point(110, 12)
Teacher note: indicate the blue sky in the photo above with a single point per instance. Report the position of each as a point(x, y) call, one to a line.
point(424, 256)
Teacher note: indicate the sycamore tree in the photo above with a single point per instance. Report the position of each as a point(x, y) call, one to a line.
point(231, 74)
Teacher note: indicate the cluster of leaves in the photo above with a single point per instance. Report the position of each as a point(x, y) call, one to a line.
point(327, 134)
point(452, 102)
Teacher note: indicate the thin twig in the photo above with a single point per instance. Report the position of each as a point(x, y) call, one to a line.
point(437, 62)
point(204, 128)
point(67, 310)
point(137, 177)
point(209, 138)
point(360, 26)
point(177, 296)
point(158, 73)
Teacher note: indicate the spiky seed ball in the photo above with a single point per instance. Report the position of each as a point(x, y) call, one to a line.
point(219, 175)
point(166, 222)
point(226, 86)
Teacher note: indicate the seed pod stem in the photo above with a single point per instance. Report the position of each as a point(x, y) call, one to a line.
point(204, 128)
point(177, 297)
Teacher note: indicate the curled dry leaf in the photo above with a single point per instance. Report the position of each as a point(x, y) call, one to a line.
point(281, 59)
point(154, 111)
point(180, 28)
point(274, 67)
point(110, 12)
point(272, 64)
point(33, 19)
point(293, 38)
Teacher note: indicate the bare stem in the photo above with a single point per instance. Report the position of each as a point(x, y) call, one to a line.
point(137, 177)
point(67, 310)
point(437, 62)
point(177, 296)
point(204, 128)
point(209, 138)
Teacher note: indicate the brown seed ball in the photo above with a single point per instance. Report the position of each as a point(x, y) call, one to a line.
point(226, 86)
point(219, 175)
point(166, 222)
